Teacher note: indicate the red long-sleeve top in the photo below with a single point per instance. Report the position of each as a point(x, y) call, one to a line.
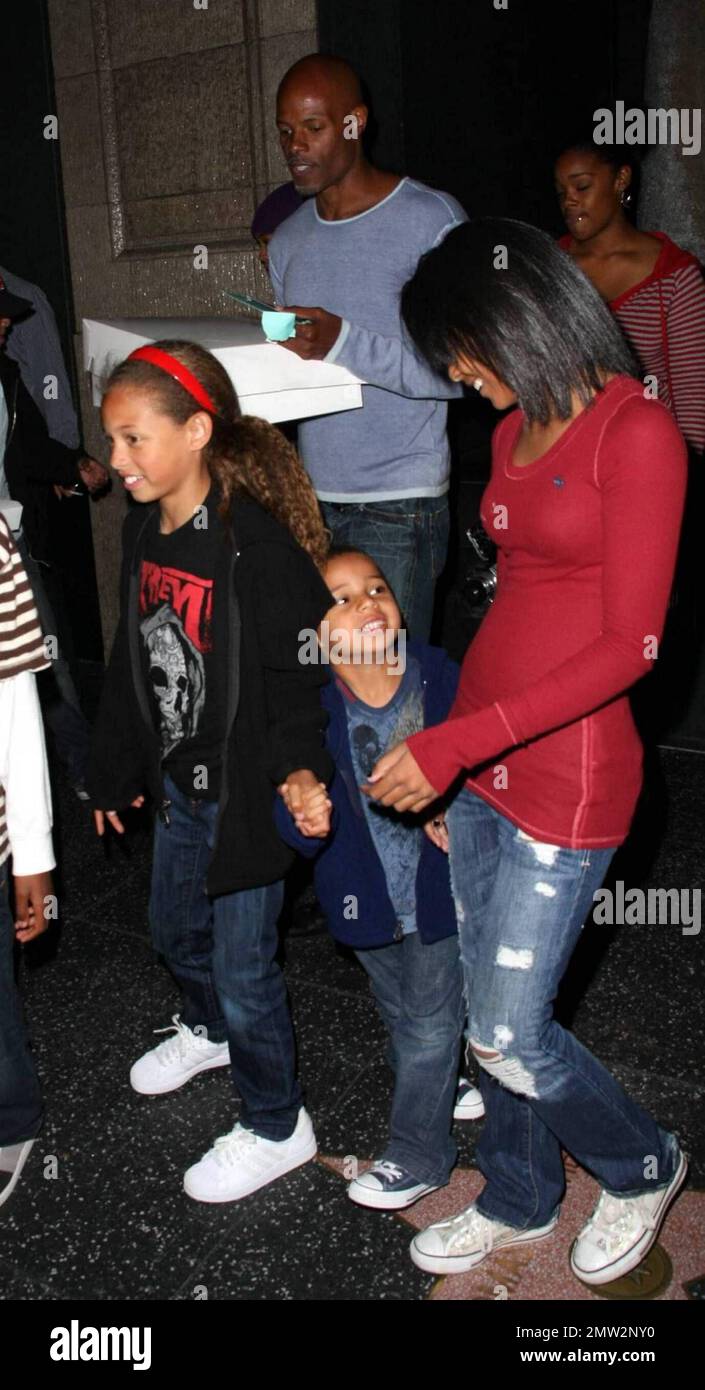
point(587, 538)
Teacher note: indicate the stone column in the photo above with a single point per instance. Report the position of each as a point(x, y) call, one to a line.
point(673, 188)
point(673, 201)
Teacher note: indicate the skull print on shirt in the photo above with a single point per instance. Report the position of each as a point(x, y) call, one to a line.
point(176, 633)
point(177, 675)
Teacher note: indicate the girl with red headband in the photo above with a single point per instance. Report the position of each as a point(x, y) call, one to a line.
point(207, 706)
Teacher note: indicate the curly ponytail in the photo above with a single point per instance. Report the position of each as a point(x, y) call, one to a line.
point(253, 456)
point(245, 454)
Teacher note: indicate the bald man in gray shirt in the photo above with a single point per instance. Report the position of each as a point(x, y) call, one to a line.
point(381, 472)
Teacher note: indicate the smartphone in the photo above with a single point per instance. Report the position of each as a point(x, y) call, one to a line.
point(260, 305)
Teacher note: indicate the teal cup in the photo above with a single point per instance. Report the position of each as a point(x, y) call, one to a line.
point(278, 326)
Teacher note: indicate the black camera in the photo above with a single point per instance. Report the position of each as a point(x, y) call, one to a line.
point(480, 583)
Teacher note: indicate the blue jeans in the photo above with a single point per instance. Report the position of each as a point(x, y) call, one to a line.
point(20, 1096)
point(408, 539)
point(419, 993)
point(222, 953)
point(521, 906)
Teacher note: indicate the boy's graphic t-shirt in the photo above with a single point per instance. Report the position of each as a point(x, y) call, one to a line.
point(179, 619)
point(372, 732)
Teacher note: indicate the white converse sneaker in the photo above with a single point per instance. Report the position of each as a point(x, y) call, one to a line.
point(469, 1104)
point(12, 1160)
point(622, 1230)
point(173, 1062)
point(452, 1247)
point(388, 1187)
point(241, 1162)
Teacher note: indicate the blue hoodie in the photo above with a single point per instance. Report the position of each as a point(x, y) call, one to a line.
point(348, 873)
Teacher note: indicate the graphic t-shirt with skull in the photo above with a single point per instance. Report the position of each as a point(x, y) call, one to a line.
point(178, 614)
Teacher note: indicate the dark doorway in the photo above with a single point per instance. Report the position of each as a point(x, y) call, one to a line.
point(33, 244)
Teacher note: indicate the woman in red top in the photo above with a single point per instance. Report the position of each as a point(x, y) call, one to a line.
point(585, 502)
point(654, 288)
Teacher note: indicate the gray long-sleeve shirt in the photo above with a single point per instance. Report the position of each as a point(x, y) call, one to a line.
point(396, 445)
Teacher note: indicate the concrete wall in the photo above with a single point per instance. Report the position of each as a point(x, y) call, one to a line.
point(167, 137)
point(673, 185)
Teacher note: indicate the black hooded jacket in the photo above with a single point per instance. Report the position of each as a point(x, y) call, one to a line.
point(275, 723)
point(33, 460)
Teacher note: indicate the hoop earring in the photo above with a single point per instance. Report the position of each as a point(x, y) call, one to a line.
point(625, 198)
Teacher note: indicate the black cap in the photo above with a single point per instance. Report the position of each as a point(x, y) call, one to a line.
point(11, 306)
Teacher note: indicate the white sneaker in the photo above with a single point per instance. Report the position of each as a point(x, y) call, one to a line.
point(469, 1104)
point(622, 1230)
point(241, 1162)
point(452, 1247)
point(12, 1160)
point(173, 1062)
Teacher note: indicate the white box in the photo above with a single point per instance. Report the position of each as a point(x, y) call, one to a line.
point(270, 381)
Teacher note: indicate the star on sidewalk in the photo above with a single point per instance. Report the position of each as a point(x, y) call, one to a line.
point(541, 1272)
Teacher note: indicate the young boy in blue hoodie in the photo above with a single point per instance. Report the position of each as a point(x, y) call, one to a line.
point(382, 879)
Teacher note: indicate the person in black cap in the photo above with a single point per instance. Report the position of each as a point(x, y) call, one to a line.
point(35, 346)
point(30, 464)
point(272, 211)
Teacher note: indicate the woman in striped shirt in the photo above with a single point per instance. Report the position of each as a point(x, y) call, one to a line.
point(654, 288)
point(25, 833)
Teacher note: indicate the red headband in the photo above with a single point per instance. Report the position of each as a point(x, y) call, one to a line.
point(185, 378)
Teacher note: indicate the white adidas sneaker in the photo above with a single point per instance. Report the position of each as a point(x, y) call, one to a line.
point(173, 1062)
point(241, 1162)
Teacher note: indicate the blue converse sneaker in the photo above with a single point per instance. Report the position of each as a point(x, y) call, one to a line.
point(388, 1187)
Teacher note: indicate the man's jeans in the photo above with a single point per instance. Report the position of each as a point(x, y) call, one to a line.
point(521, 905)
point(20, 1096)
point(419, 993)
point(408, 539)
point(222, 953)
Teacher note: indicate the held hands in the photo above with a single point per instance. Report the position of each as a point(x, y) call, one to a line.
point(100, 816)
point(397, 780)
point(313, 341)
point(308, 803)
point(437, 832)
point(31, 892)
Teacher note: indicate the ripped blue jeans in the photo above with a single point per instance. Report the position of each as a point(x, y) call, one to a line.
point(521, 905)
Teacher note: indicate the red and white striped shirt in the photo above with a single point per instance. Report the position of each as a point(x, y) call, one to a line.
point(663, 318)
